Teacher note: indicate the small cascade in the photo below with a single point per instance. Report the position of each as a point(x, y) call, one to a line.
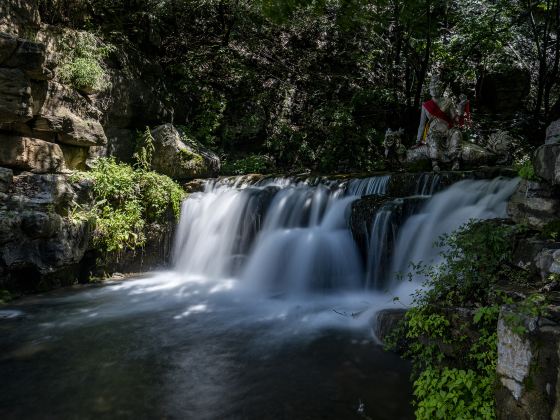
point(380, 244)
point(445, 212)
point(428, 183)
point(280, 236)
point(376, 185)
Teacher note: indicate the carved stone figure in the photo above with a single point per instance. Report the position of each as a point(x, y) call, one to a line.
point(395, 151)
point(439, 136)
point(502, 144)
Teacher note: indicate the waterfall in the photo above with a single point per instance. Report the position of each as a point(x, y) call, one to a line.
point(282, 236)
point(368, 186)
point(445, 212)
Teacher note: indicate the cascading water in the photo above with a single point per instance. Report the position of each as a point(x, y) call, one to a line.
point(445, 212)
point(282, 237)
point(192, 343)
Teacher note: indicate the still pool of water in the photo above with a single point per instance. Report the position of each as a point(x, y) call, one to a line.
point(165, 348)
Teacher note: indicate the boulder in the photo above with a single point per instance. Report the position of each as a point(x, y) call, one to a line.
point(534, 204)
point(30, 154)
point(528, 365)
point(71, 129)
point(385, 323)
point(16, 103)
point(553, 133)
point(546, 162)
point(548, 261)
point(41, 192)
point(181, 159)
point(28, 56)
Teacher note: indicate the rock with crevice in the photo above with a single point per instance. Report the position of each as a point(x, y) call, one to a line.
point(16, 102)
point(71, 129)
point(534, 204)
point(29, 154)
point(546, 162)
point(528, 365)
point(27, 56)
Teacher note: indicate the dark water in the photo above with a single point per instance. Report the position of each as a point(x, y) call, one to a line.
point(155, 350)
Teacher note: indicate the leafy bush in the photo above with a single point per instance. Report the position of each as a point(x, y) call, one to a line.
point(455, 369)
point(126, 201)
point(82, 67)
point(526, 169)
point(144, 149)
point(252, 164)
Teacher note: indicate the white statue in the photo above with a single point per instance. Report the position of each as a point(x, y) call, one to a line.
point(439, 136)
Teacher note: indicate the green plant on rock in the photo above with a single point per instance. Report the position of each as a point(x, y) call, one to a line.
point(526, 169)
point(127, 200)
point(82, 66)
point(144, 149)
point(451, 330)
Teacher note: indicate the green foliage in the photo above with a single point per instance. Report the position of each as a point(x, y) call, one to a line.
point(454, 394)
point(454, 367)
point(5, 296)
point(526, 169)
point(252, 164)
point(126, 201)
point(82, 66)
point(144, 149)
point(551, 230)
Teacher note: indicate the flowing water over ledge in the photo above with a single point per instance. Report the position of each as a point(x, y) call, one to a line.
point(266, 314)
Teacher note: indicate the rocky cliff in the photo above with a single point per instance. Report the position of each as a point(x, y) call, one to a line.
point(54, 120)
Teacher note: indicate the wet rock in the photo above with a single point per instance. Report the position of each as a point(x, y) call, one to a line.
point(534, 204)
point(179, 159)
point(40, 245)
point(386, 321)
point(30, 154)
point(547, 163)
point(364, 210)
point(16, 103)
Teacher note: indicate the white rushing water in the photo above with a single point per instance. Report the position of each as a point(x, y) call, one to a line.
point(283, 237)
point(445, 212)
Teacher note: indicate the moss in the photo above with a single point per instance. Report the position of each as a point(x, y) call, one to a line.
point(127, 200)
point(191, 161)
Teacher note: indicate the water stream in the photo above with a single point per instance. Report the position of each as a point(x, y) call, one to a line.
point(266, 313)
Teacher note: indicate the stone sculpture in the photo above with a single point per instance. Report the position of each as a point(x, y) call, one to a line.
point(439, 135)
